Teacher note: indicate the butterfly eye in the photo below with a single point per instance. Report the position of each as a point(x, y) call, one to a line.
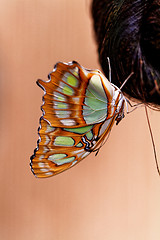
point(78, 114)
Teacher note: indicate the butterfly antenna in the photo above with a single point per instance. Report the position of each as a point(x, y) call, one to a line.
point(152, 139)
point(109, 66)
point(126, 80)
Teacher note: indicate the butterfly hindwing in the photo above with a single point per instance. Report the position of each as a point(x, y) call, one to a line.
point(59, 149)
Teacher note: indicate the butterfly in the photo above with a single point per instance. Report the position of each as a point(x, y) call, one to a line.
point(79, 109)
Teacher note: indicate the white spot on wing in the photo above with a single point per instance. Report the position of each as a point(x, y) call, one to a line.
point(44, 169)
point(68, 122)
point(41, 165)
point(63, 114)
point(79, 153)
point(85, 154)
point(97, 84)
point(75, 71)
point(45, 149)
point(48, 173)
point(73, 163)
point(47, 140)
point(105, 126)
point(75, 99)
point(41, 157)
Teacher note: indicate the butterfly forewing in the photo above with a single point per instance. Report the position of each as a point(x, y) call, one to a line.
point(79, 109)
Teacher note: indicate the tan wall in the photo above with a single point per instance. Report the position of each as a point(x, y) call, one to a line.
point(115, 195)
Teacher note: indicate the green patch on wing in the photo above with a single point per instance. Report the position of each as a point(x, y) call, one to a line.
point(79, 144)
point(89, 135)
point(60, 158)
point(64, 141)
point(57, 156)
point(63, 161)
point(68, 90)
point(95, 108)
point(71, 80)
point(80, 130)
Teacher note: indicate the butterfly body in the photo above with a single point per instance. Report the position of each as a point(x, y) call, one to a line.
point(79, 109)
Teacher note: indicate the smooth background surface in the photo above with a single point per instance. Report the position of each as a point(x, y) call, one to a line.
point(115, 195)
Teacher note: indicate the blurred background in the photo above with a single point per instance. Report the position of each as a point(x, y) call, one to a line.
point(115, 195)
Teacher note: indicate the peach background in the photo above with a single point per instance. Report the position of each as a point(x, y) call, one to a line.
point(115, 195)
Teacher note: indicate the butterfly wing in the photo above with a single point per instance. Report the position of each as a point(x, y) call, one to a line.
point(79, 109)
